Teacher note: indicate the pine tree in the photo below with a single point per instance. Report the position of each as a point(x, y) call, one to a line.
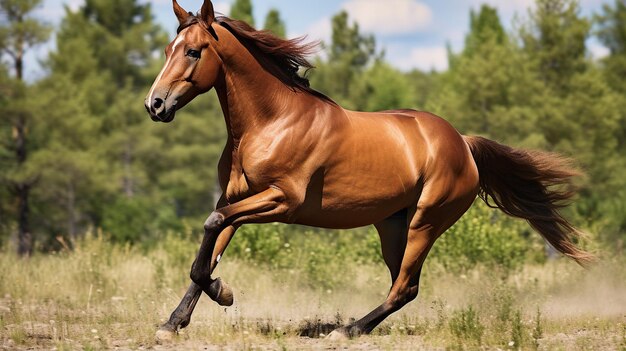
point(242, 10)
point(18, 34)
point(577, 112)
point(118, 38)
point(488, 83)
point(349, 54)
point(612, 33)
point(556, 36)
point(275, 24)
point(484, 27)
point(107, 50)
point(21, 32)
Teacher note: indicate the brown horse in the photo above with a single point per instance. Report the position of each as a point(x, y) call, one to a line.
point(294, 156)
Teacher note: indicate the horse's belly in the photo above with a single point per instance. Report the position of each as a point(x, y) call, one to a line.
point(344, 218)
point(350, 207)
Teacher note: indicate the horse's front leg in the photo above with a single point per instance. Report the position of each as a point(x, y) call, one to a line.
point(264, 207)
point(267, 206)
point(181, 316)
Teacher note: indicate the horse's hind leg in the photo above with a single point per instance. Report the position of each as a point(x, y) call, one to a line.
point(393, 236)
point(426, 225)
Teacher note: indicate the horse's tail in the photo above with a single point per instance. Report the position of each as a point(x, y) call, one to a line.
point(532, 185)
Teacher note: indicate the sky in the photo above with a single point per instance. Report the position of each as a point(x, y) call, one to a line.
point(413, 33)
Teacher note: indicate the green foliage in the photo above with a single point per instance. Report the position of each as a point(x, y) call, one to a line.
point(126, 38)
point(517, 330)
point(465, 325)
point(275, 24)
point(611, 31)
point(349, 54)
point(318, 254)
point(484, 27)
point(487, 236)
point(537, 332)
point(555, 37)
point(242, 10)
point(20, 31)
point(96, 161)
point(384, 88)
point(135, 219)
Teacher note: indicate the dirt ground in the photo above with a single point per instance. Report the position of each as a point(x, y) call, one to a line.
point(65, 304)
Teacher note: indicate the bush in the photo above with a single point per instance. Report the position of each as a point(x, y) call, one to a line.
point(465, 325)
point(138, 220)
point(488, 236)
point(320, 254)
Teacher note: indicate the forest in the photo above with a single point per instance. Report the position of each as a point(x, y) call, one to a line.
point(101, 209)
point(79, 154)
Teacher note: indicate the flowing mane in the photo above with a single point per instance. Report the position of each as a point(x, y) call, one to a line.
point(281, 57)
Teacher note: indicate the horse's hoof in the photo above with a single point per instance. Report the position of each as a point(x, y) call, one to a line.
point(165, 335)
point(221, 293)
point(337, 335)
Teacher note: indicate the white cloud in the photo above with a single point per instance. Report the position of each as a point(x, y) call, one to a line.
point(378, 17)
point(506, 7)
point(320, 30)
point(598, 51)
point(424, 58)
point(390, 16)
point(74, 4)
point(222, 7)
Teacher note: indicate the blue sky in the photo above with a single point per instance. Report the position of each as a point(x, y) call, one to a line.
point(413, 33)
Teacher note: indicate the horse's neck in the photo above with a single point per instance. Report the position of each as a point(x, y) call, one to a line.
point(250, 96)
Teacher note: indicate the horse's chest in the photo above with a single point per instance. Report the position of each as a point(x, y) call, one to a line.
point(249, 175)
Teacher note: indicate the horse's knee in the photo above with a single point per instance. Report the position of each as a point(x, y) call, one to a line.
point(214, 222)
point(198, 275)
point(403, 297)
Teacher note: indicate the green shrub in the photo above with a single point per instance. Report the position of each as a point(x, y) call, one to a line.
point(320, 254)
point(537, 332)
point(487, 236)
point(137, 219)
point(517, 330)
point(465, 325)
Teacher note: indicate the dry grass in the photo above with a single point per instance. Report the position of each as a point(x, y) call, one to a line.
point(111, 297)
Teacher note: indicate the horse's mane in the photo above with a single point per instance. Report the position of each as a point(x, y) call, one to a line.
point(282, 57)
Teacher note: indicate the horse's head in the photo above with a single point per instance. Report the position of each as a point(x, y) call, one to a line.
point(192, 65)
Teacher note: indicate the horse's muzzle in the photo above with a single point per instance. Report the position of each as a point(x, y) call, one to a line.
point(158, 111)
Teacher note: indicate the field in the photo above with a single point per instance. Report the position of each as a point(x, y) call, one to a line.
point(105, 296)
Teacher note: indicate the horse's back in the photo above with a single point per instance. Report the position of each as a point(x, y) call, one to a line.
point(427, 138)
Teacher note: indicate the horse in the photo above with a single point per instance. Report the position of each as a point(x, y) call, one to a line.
point(293, 155)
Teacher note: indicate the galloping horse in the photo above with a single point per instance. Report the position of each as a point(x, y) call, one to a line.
point(294, 156)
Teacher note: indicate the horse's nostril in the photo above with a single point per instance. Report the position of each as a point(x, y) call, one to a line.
point(157, 103)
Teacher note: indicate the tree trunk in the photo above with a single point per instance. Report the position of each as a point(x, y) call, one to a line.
point(22, 191)
point(71, 211)
point(24, 238)
point(19, 66)
point(128, 181)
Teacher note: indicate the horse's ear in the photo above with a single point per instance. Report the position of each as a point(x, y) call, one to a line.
point(181, 14)
point(207, 14)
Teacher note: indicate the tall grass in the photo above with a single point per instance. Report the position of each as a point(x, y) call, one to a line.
point(103, 295)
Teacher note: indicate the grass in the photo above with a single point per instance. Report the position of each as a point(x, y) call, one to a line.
point(104, 296)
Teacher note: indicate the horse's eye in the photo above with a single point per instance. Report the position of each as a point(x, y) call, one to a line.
point(193, 53)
